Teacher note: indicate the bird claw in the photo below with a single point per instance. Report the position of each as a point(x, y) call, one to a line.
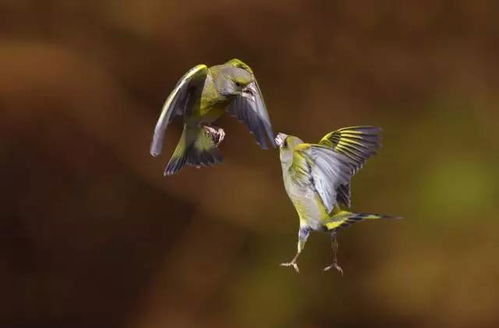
point(293, 264)
point(336, 266)
point(216, 134)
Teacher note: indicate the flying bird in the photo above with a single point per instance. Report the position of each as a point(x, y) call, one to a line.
point(200, 97)
point(317, 180)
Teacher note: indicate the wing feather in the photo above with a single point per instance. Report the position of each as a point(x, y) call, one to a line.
point(176, 104)
point(357, 143)
point(324, 169)
point(252, 112)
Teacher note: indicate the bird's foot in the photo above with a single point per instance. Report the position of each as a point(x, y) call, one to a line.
point(293, 264)
point(336, 266)
point(216, 134)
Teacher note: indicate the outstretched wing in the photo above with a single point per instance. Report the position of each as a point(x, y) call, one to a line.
point(358, 143)
point(176, 104)
point(251, 109)
point(324, 169)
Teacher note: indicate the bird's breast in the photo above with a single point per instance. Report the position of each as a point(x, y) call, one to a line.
point(306, 203)
point(210, 105)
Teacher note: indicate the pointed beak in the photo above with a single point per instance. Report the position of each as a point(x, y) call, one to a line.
point(250, 91)
point(279, 140)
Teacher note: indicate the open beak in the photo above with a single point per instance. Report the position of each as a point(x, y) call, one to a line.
point(279, 140)
point(250, 91)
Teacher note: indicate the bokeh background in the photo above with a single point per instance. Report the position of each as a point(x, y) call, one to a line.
point(92, 235)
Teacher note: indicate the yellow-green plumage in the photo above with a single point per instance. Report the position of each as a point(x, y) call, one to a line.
point(200, 97)
point(317, 179)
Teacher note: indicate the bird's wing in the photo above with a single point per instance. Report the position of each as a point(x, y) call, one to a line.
point(343, 194)
point(322, 168)
point(358, 143)
point(176, 104)
point(252, 112)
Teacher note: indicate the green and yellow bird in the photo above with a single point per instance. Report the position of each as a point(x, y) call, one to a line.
point(201, 96)
point(317, 180)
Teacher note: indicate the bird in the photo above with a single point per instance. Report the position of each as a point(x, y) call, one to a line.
point(200, 97)
point(317, 180)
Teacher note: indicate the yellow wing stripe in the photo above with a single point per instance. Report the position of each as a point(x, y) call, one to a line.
point(358, 143)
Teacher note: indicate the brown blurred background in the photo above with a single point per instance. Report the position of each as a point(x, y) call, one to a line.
point(92, 235)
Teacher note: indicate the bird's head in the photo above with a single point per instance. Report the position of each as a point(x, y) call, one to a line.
point(236, 81)
point(287, 144)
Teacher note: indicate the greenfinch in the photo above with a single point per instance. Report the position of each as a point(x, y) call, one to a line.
point(200, 97)
point(317, 180)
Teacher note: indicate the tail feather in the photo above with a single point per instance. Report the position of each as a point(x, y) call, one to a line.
point(343, 219)
point(195, 148)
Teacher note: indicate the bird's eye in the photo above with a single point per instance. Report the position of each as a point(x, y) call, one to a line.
point(238, 84)
point(285, 143)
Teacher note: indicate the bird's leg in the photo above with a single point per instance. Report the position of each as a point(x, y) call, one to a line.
point(217, 134)
point(302, 239)
point(334, 246)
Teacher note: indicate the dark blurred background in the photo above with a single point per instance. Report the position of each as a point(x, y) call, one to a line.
point(92, 235)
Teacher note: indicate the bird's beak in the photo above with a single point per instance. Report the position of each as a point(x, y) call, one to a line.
point(279, 140)
point(250, 91)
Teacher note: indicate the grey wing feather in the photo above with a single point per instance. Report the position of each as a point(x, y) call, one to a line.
point(175, 105)
point(328, 170)
point(253, 113)
point(358, 143)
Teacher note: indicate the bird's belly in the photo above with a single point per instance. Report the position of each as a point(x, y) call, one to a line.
point(308, 207)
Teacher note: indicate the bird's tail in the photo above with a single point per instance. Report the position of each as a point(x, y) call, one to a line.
point(342, 219)
point(195, 148)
